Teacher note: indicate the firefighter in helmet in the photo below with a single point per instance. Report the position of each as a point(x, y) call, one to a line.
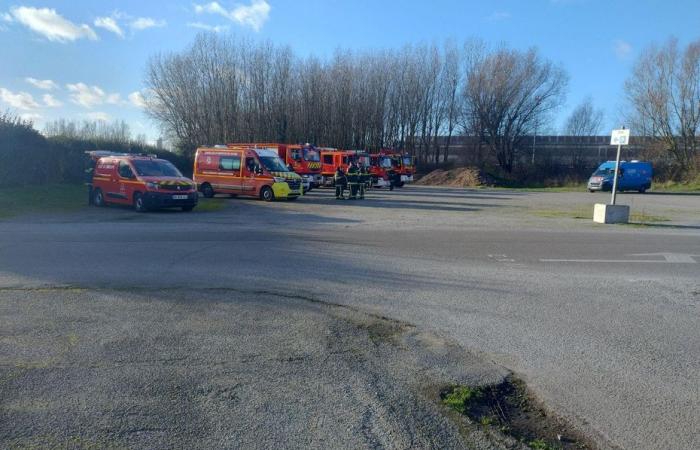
point(364, 181)
point(341, 182)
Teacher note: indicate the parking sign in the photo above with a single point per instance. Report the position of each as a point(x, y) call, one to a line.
point(620, 137)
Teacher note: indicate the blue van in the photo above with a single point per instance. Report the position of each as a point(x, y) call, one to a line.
point(634, 176)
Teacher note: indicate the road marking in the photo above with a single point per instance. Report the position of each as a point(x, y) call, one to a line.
point(669, 258)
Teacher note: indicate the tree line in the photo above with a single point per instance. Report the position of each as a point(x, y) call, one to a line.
point(226, 88)
point(58, 155)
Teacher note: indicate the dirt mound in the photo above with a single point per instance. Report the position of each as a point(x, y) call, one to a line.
point(459, 177)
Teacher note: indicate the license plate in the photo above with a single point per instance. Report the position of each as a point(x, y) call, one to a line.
point(179, 197)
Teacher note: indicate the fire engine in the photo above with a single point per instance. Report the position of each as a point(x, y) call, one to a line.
point(143, 181)
point(393, 165)
point(331, 160)
point(251, 170)
point(383, 170)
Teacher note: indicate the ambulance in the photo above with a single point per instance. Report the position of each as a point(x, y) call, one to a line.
point(246, 170)
point(142, 181)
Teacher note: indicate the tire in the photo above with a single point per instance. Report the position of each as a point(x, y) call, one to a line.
point(591, 191)
point(292, 199)
point(642, 190)
point(187, 208)
point(139, 203)
point(267, 194)
point(207, 190)
point(98, 198)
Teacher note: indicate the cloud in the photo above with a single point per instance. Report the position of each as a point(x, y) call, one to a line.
point(498, 16)
point(99, 116)
point(204, 26)
point(254, 15)
point(622, 49)
point(137, 99)
point(6, 17)
point(143, 23)
point(48, 23)
point(90, 96)
point(46, 85)
point(51, 102)
point(109, 24)
point(20, 100)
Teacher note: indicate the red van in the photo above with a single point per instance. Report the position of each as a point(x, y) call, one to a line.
point(143, 181)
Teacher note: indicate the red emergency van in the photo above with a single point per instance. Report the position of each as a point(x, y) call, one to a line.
point(143, 181)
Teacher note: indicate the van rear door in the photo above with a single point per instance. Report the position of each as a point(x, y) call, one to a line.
point(230, 172)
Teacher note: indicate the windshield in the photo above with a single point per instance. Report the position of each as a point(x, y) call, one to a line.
point(273, 164)
point(363, 161)
point(311, 154)
point(386, 162)
point(407, 161)
point(604, 172)
point(155, 168)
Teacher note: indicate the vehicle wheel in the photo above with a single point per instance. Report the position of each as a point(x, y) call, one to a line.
point(642, 190)
point(207, 190)
point(98, 198)
point(267, 194)
point(291, 199)
point(591, 191)
point(139, 204)
point(188, 208)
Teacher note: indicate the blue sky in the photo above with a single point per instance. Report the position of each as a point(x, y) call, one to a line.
point(85, 59)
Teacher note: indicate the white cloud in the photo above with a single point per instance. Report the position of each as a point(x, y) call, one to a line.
point(48, 23)
point(19, 100)
point(46, 85)
point(109, 24)
point(498, 16)
point(622, 49)
point(90, 96)
point(6, 17)
point(143, 23)
point(99, 116)
point(137, 99)
point(254, 15)
point(51, 102)
point(204, 26)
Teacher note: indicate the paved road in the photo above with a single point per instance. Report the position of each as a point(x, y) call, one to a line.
point(613, 346)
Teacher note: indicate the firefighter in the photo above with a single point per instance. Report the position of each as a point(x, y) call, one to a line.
point(353, 180)
point(364, 181)
point(341, 181)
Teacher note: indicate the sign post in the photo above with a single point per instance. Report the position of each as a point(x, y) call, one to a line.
point(613, 213)
point(619, 138)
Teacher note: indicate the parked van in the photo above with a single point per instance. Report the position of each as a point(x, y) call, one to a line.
point(143, 181)
point(245, 170)
point(634, 176)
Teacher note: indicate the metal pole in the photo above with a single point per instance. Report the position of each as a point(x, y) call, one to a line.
point(617, 171)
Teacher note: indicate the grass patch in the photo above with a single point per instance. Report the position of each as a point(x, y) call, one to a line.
point(48, 198)
point(647, 218)
point(211, 204)
point(508, 408)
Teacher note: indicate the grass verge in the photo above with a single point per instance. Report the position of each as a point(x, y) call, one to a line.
point(211, 204)
point(48, 198)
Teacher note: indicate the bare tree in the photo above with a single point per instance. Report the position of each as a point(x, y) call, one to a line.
point(507, 93)
point(664, 94)
point(585, 120)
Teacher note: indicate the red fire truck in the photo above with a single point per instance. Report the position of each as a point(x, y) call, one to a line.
point(331, 159)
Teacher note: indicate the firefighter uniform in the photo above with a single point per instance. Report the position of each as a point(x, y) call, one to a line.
point(341, 181)
point(364, 181)
point(353, 180)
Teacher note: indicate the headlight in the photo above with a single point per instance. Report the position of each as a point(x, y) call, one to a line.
point(151, 185)
point(279, 179)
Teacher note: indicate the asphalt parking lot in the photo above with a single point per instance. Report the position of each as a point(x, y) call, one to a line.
point(248, 327)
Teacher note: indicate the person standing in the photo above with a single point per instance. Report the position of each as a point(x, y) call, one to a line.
point(353, 180)
point(340, 181)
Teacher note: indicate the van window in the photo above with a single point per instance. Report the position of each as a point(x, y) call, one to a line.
point(296, 154)
point(345, 159)
point(327, 159)
point(230, 163)
point(250, 164)
point(124, 170)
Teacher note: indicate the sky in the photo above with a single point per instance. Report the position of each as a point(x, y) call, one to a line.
point(85, 59)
